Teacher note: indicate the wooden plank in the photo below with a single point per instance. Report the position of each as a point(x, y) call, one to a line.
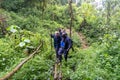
point(55, 72)
point(60, 71)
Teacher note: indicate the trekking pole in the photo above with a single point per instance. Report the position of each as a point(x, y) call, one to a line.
point(51, 39)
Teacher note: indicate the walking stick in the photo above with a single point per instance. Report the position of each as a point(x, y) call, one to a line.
point(51, 39)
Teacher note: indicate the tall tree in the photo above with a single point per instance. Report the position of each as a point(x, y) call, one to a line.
point(3, 25)
point(0, 3)
point(71, 15)
point(108, 12)
point(111, 7)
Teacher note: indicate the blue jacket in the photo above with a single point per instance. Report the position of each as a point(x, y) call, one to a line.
point(57, 41)
point(66, 43)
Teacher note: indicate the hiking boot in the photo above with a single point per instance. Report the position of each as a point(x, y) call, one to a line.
point(57, 61)
point(59, 64)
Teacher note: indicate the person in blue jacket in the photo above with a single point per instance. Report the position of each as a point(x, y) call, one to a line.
point(65, 46)
point(57, 40)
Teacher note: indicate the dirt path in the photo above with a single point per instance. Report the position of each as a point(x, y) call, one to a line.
point(83, 41)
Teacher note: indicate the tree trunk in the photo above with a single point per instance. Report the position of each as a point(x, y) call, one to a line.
point(3, 25)
point(6, 77)
point(71, 15)
point(0, 3)
point(108, 12)
point(76, 2)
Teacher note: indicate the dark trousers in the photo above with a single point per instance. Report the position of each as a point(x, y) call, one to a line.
point(63, 51)
point(56, 50)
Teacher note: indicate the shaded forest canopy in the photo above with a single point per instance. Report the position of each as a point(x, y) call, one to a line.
point(24, 22)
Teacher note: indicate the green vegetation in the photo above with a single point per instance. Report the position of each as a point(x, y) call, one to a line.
point(24, 23)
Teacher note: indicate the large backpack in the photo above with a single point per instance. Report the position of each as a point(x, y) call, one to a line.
point(71, 44)
point(71, 41)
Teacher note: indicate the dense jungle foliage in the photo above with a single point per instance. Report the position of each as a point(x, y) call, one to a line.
point(23, 23)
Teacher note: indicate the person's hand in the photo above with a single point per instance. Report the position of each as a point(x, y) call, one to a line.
point(67, 50)
point(51, 35)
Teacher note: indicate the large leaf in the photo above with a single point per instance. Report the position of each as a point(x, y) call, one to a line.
point(22, 44)
point(27, 40)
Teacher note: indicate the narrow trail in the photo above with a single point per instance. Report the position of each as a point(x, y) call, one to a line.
point(84, 43)
point(57, 71)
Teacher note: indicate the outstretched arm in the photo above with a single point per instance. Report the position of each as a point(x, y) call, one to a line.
point(52, 35)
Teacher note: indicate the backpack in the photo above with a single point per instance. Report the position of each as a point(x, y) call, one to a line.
point(71, 41)
point(71, 44)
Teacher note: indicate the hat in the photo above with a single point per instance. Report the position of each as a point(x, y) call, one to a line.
point(56, 32)
point(64, 33)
